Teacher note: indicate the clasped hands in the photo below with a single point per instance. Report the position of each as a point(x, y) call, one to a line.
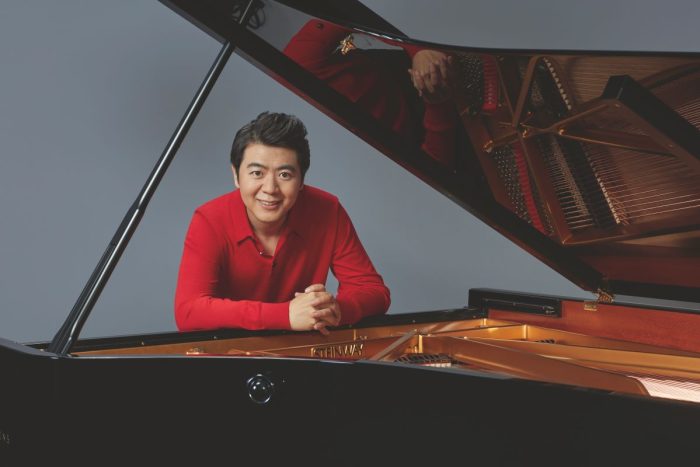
point(430, 74)
point(314, 308)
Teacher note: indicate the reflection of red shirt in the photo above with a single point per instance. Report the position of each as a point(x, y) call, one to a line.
point(226, 282)
point(374, 86)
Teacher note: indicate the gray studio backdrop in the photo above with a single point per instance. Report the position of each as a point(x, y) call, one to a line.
point(90, 91)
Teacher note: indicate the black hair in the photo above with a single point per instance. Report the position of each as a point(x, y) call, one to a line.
point(273, 129)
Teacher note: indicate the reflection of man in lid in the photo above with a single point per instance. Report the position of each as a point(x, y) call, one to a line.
point(377, 81)
point(257, 258)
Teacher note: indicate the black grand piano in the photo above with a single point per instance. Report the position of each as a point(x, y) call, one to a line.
point(590, 161)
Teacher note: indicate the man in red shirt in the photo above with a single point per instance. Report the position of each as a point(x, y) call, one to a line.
point(258, 257)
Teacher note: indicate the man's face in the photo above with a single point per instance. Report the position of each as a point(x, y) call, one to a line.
point(269, 180)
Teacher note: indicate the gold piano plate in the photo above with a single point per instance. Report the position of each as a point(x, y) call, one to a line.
point(495, 346)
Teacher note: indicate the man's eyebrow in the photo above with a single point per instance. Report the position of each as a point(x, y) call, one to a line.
point(289, 167)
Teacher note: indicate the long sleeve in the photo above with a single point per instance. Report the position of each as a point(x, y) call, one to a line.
point(197, 305)
point(440, 123)
point(361, 290)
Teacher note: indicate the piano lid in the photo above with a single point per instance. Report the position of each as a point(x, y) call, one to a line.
point(590, 161)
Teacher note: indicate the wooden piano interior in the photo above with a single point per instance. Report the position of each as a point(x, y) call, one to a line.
point(649, 361)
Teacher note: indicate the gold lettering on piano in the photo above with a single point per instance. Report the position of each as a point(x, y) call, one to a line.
point(339, 350)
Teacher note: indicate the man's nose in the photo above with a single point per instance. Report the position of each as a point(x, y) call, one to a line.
point(270, 184)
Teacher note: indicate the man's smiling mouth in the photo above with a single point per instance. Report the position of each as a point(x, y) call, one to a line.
point(269, 204)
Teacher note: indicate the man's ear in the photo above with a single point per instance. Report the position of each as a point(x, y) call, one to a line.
point(235, 176)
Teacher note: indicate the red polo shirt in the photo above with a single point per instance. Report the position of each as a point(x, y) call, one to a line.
point(226, 281)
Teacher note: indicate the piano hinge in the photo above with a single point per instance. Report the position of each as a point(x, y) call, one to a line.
point(603, 297)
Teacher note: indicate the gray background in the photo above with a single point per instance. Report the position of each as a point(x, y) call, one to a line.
point(90, 91)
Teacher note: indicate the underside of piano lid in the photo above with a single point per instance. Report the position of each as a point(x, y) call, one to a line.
point(588, 160)
point(601, 154)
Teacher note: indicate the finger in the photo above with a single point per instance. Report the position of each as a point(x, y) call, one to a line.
point(331, 320)
point(323, 314)
point(309, 300)
point(433, 78)
point(315, 288)
point(296, 294)
point(336, 315)
point(328, 320)
point(424, 69)
point(321, 327)
point(443, 69)
point(419, 83)
point(322, 300)
point(426, 80)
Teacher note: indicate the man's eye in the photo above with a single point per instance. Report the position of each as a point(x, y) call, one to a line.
point(256, 173)
point(285, 175)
